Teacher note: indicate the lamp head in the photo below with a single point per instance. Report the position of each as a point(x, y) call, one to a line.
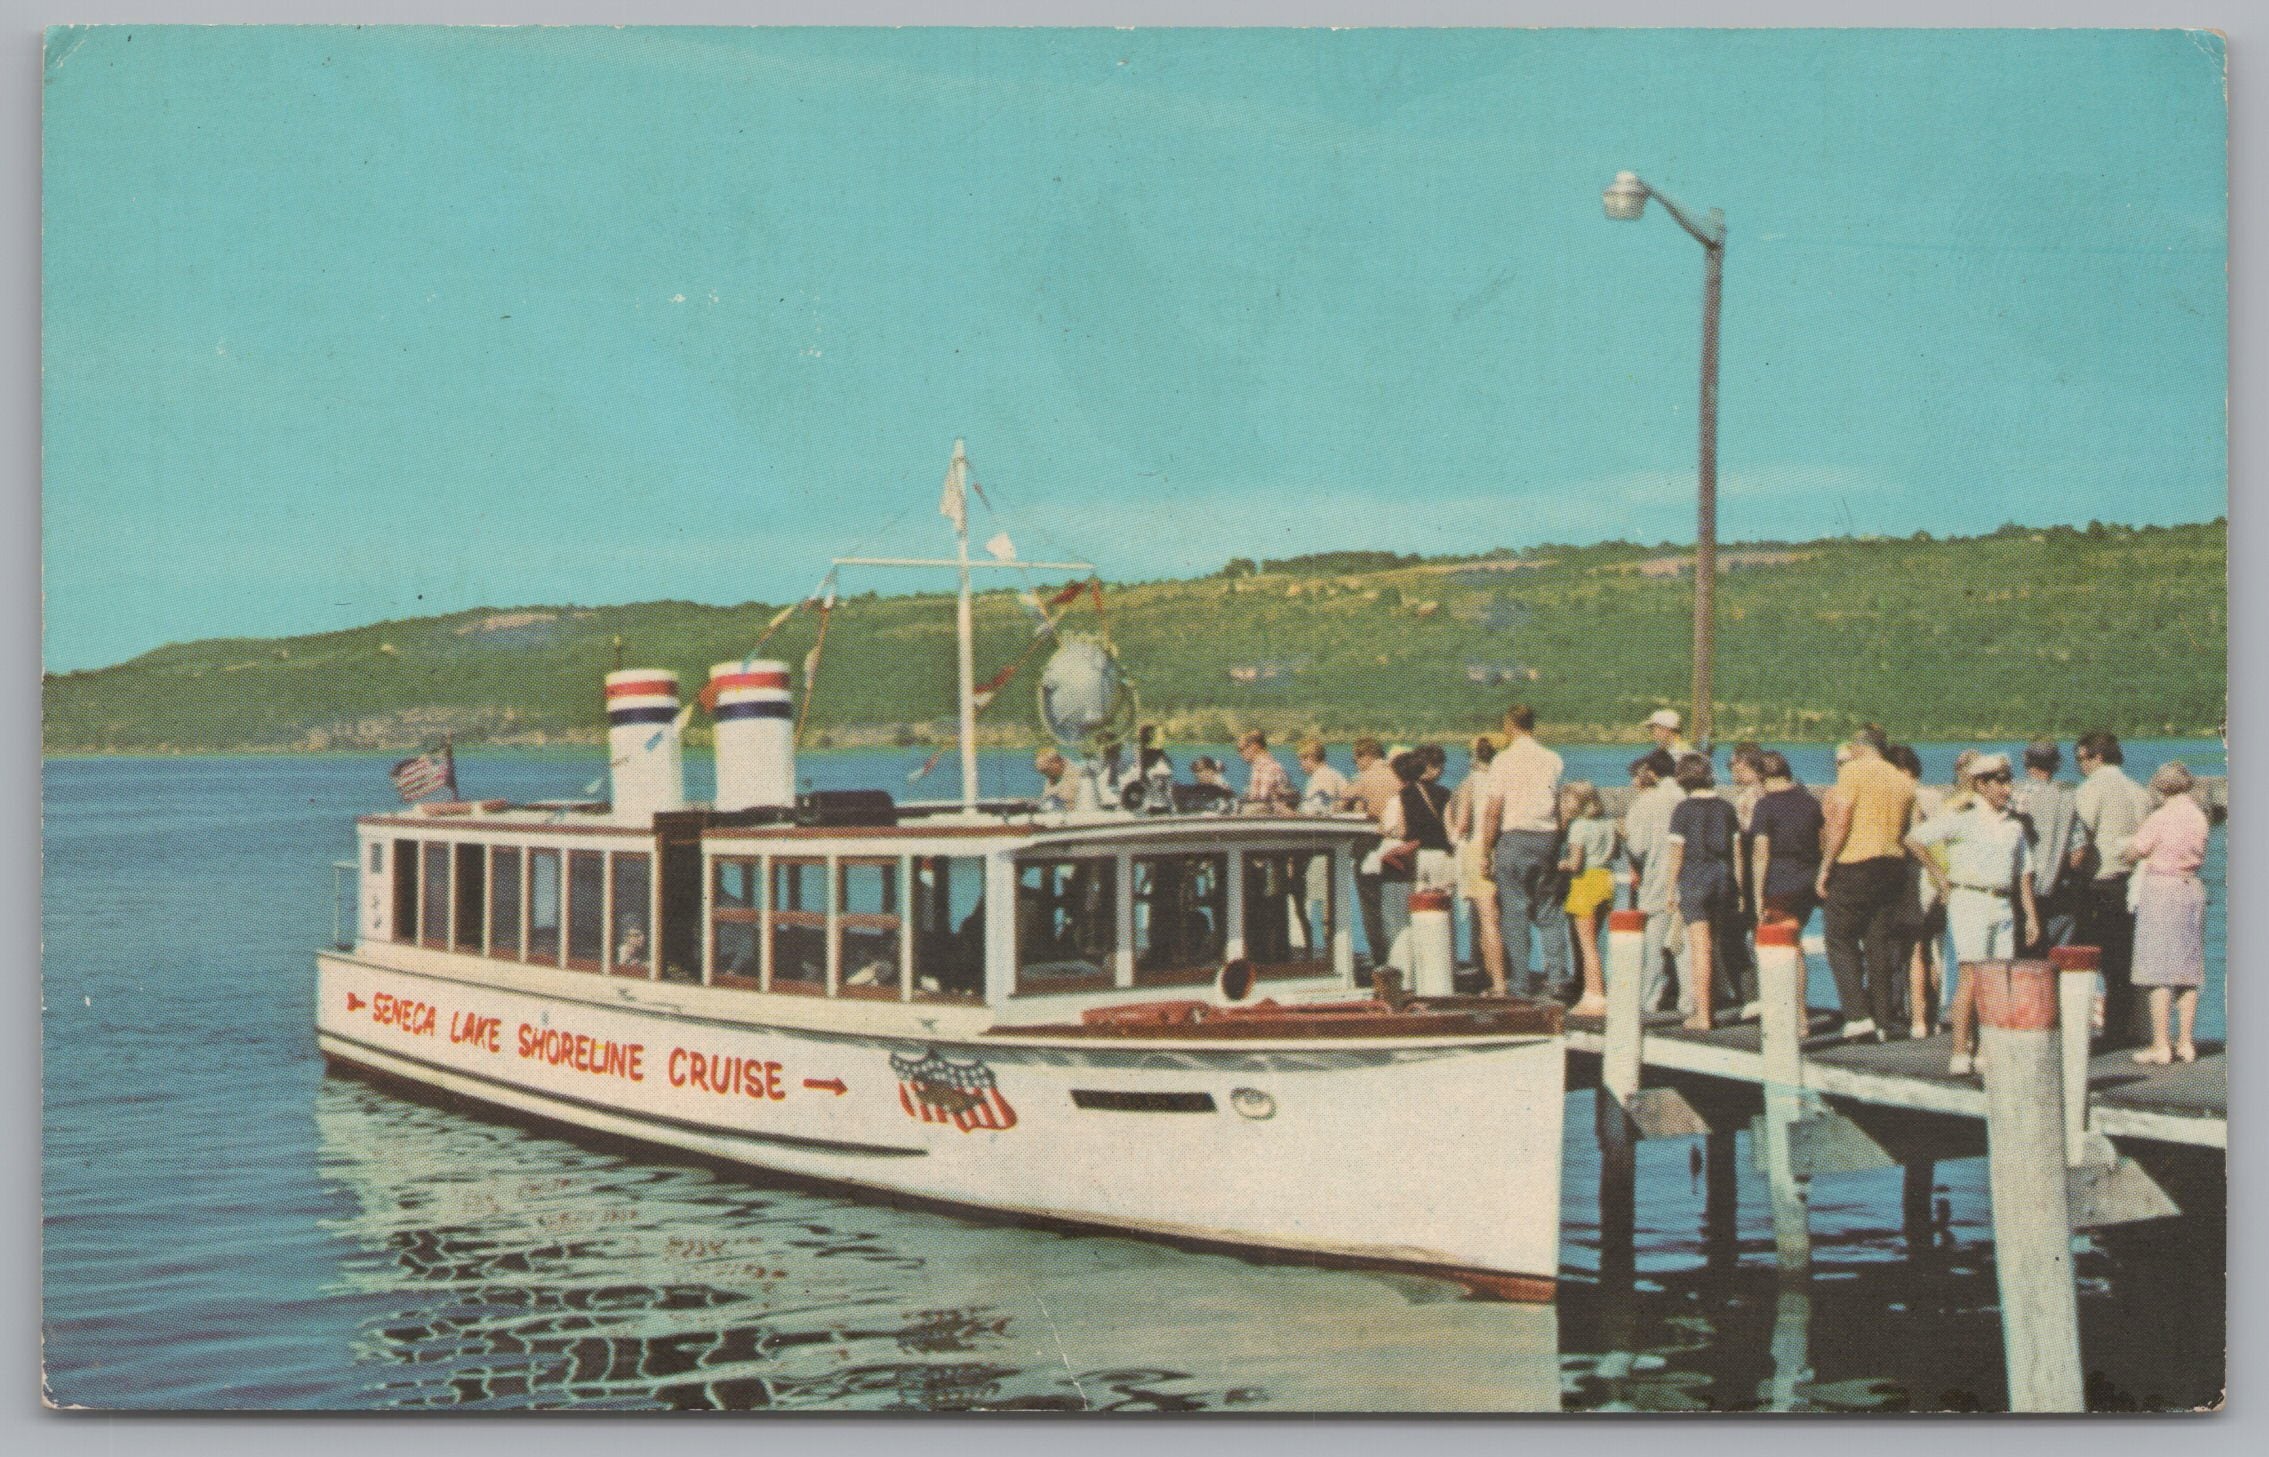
point(1625, 198)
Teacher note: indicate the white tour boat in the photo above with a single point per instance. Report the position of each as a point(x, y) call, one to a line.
point(1144, 1021)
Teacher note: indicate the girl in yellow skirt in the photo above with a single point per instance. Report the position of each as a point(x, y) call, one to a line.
point(1593, 842)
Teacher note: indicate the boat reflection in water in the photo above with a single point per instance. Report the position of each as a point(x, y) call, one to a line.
point(505, 1268)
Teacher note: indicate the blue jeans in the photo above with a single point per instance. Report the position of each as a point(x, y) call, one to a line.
point(1531, 893)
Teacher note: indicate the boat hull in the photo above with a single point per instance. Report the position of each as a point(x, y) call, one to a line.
point(1438, 1154)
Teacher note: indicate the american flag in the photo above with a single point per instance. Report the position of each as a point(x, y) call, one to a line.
point(424, 774)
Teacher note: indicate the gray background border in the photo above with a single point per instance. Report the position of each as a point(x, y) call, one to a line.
point(25, 1428)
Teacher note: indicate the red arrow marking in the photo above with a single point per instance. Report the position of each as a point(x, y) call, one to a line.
point(827, 1085)
point(355, 1003)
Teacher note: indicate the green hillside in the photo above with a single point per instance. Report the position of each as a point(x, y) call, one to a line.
point(2023, 631)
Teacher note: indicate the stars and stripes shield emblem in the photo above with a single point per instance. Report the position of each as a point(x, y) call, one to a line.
point(425, 774)
point(935, 1089)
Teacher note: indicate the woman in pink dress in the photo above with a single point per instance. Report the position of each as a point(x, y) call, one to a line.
point(2170, 912)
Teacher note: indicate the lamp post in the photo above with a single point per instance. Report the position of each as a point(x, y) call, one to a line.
point(1625, 200)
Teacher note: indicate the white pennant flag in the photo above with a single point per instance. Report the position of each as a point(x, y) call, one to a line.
point(954, 504)
point(1002, 548)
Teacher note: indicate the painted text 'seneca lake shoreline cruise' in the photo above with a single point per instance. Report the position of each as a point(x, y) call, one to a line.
point(1132, 1015)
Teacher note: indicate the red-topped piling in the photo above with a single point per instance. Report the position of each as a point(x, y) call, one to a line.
point(2025, 1146)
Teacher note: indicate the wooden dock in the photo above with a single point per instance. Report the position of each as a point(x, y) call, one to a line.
point(2184, 1103)
point(2074, 1142)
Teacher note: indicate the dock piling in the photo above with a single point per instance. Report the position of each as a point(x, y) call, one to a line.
point(1620, 1061)
point(2032, 1227)
point(1780, 993)
point(2075, 1004)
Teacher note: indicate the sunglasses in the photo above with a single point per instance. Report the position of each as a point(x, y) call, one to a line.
point(1996, 777)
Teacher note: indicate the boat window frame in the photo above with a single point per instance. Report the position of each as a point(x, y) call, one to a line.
point(714, 915)
point(434, 924)
point(468, 901)
point(978, 867)
point(557, 855)
point(840, 920)
point(404, 895)
point(1109, 860)
point(570, 903)
point(775, 918)
point(512, 943)
point(652, 965)
point(1231, 911)
point(1323, 962)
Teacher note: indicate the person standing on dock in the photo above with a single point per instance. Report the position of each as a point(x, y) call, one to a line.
point(1646, 844)
point(2170, 914)
point(1784, 833)
point(1663, 726)
point(1705, 841)
point(2110, 808)
point(1985, 879)
point(1520, 822)
point(1477, 884)
point(1746, 767)
point(1863, 882)
point(1373, 787)
point(2044, 802)
point(1922, 911)
point(1588, 861)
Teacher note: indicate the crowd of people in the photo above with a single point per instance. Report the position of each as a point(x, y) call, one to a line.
point(2004, 865)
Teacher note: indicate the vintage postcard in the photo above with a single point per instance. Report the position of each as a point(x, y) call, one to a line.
point(1113, 720)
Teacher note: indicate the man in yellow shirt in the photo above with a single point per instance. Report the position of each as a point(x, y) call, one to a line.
point(1863, 860)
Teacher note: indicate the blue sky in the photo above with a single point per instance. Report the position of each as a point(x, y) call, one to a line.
point(342, 325)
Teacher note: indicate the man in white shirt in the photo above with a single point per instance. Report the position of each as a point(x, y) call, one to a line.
point(1986, 879)
point(1646, 841)
point(2110, 808)
point(1325, 791)
point(1520, 822)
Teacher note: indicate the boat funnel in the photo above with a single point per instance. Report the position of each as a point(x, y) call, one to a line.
point(756, 744)
point(644, 757)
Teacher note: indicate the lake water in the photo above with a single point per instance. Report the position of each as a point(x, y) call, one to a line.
point(228, 1226)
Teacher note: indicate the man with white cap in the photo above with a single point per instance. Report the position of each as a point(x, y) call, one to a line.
point(1985, 879)
point(1664, 724)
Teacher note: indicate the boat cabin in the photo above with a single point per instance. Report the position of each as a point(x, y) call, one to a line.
point(1001, 909)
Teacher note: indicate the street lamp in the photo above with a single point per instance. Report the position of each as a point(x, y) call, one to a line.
point(1625, 201)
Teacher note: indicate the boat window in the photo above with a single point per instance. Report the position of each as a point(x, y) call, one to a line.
point(405, 890)
point(796, 920)
point(1066, 924)
point(586, 909)
point(949, 927)
point(543, 906)
point(868, 927)
point(733, 917)
point(433, 913)
point(1181, 918)
point(633, 937)
point(504, 902)
point(471, 899)
point(1288, 911)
